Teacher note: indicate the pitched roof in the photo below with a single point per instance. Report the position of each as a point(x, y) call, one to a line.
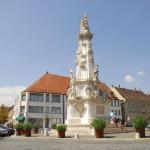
point(129, 94)
point(52, 83)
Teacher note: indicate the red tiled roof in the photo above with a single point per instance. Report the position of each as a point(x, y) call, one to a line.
point(129, 94)
point(52, 83)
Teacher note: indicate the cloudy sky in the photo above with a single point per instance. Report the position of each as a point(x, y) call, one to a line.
point(38, 36)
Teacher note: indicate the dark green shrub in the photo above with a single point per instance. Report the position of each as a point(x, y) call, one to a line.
point(98, 124)
point(54, 126)
point(19, 126)
point(28, 126)
point(139, 122)
point(61, 127)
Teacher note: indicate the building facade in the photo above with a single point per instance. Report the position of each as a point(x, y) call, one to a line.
point(44, 102)
point(116, 107)
point(136, 102)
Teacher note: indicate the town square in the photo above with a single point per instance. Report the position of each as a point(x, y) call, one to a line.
point(75, 75)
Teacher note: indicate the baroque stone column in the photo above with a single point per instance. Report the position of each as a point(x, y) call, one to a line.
point(83, 93)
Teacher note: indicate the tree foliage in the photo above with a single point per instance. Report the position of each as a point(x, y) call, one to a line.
point(3, 114)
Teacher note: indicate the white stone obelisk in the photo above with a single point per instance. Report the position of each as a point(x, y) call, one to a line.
point(84, 99)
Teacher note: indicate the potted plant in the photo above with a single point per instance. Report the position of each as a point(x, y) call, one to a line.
point(61, 128)
point(19, 128)
point(140, 123)
point(99, 125)
point(27, 129)
point(54, 126)
point(36, 128)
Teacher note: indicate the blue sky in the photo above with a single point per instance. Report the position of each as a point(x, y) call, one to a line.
point(41, 35)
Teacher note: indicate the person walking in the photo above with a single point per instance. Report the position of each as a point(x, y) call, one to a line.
point(122, 125)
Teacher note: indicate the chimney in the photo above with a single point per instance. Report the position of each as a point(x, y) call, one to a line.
point(112, 86)
point(119, 85)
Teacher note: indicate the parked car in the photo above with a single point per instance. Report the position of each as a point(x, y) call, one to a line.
point(3, 132)
point(10, 131)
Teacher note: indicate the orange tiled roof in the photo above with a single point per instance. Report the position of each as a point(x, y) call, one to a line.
point(129, 94)
point(52, 83)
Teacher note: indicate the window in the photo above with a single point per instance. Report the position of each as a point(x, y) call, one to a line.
point(47, 98)
point(115, 112)
point(35, 109)
point(22, 109)
point(56, 121)
point(115, 103)
point(112, 103)
point(47, 109)
point(36, 97)
point(37, 121)
point(23, 97)
point(56, 110)
point(55, 98)
point(119, 112)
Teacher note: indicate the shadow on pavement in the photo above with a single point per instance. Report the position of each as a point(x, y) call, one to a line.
point(109, 136)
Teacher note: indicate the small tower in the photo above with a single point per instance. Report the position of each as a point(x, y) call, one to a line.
point(84, 96)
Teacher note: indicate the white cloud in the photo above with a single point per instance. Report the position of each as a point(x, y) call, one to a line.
point(128, 78)
point(8, 94)
point(141, 73)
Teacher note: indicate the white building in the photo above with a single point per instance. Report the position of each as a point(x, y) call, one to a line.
point(116, 107)
point(46, 98)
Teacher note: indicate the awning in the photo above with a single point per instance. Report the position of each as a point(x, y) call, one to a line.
point(20, 118)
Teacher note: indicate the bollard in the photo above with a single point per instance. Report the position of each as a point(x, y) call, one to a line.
point(137, 136)
point(45, 131)
point(93, 132)
point(76, 136)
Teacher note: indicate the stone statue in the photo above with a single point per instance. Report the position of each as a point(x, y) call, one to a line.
point(71, 91)
point(72, 80)
point(96, 73)
point(84, 25)
point(83, 61)
point(79, 105)
point(88, 91)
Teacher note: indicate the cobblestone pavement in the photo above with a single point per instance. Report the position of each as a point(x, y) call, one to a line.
point(46, 143)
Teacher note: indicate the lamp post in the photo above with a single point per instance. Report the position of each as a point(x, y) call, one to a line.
point(46, 125)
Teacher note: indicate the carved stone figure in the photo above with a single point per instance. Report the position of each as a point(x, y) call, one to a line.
point(96, 73)
point(88, 91)
point(83, 61)
point(71, 91)
point(72, 81)
point(79, 105)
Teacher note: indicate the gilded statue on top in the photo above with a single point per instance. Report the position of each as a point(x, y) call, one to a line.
point(84, 24)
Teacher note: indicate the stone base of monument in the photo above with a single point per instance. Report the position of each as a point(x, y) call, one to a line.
point(75, 130)
point(80, 130)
